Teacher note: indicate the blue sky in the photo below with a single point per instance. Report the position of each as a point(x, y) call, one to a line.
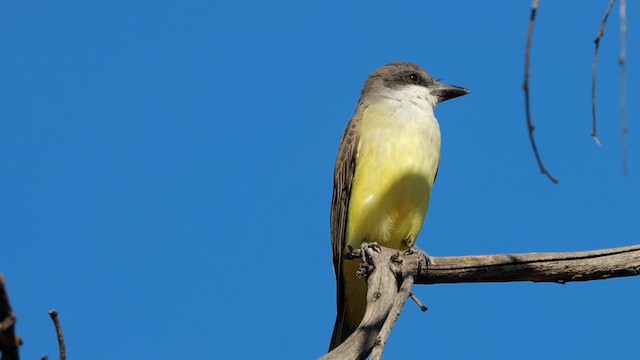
point(167, 174)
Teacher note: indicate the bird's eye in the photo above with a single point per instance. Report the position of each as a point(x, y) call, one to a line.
point(413, 77)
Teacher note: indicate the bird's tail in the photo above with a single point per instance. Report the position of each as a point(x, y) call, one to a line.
point(341, 329)
point(351, 303)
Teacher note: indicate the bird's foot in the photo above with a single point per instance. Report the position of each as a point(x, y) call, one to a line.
point(424, 259)
point(365, 267)
point(364, 270)
point(372, 245)
point(358, 253)
point(353, 253)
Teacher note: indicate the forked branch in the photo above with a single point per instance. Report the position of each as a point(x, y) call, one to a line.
point(393, 275)
point(389, 285)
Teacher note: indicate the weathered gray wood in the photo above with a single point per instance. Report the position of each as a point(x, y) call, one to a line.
point(404, 279)
point(391, 274)
point(537, 267)
point(386, 295)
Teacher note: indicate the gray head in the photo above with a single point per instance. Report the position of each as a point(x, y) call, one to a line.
point(399, 75)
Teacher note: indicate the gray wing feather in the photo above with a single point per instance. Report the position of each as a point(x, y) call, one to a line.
point(342, 182)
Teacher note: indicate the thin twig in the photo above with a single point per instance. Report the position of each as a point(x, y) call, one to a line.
point(623, 83)
point(56, 322)
point(525, 87)
point(599, 36)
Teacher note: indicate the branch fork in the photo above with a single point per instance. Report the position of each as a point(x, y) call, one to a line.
point(389, 280)
point(391, 275)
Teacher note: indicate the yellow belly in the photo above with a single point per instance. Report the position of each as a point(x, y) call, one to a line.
point(397, 161)
point(395, 169)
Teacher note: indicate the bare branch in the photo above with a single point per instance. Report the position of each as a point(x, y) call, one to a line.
point(9, 342)
point(389, 286)
point(393, 275)
point(623, 83)
point(537, 267)
point(599, 36)
point(525, 87)
point(400, 298)
point(56, 322)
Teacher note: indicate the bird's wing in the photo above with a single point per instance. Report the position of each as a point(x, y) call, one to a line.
point(342, 182)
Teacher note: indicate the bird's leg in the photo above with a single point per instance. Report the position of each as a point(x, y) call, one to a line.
point(365, 267)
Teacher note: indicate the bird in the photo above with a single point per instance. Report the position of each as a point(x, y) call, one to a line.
point(385, 169)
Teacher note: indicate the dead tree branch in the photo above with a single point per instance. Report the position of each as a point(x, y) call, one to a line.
point(56, 322)
point(525, 87)
point(405, 283)
point(391, 276)
point(594, 132)
point(389, 285)
point(9, 342)
point(561, 267)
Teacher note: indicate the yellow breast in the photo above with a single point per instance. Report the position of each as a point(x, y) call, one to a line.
point(398, 157)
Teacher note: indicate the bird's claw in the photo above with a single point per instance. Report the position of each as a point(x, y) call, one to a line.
point(373, 246)
point(424, 259)
point(353, 253)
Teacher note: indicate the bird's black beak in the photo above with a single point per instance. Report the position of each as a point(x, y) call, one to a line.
point(446, 92)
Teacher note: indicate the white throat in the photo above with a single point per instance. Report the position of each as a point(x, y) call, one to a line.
point(408, 98)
